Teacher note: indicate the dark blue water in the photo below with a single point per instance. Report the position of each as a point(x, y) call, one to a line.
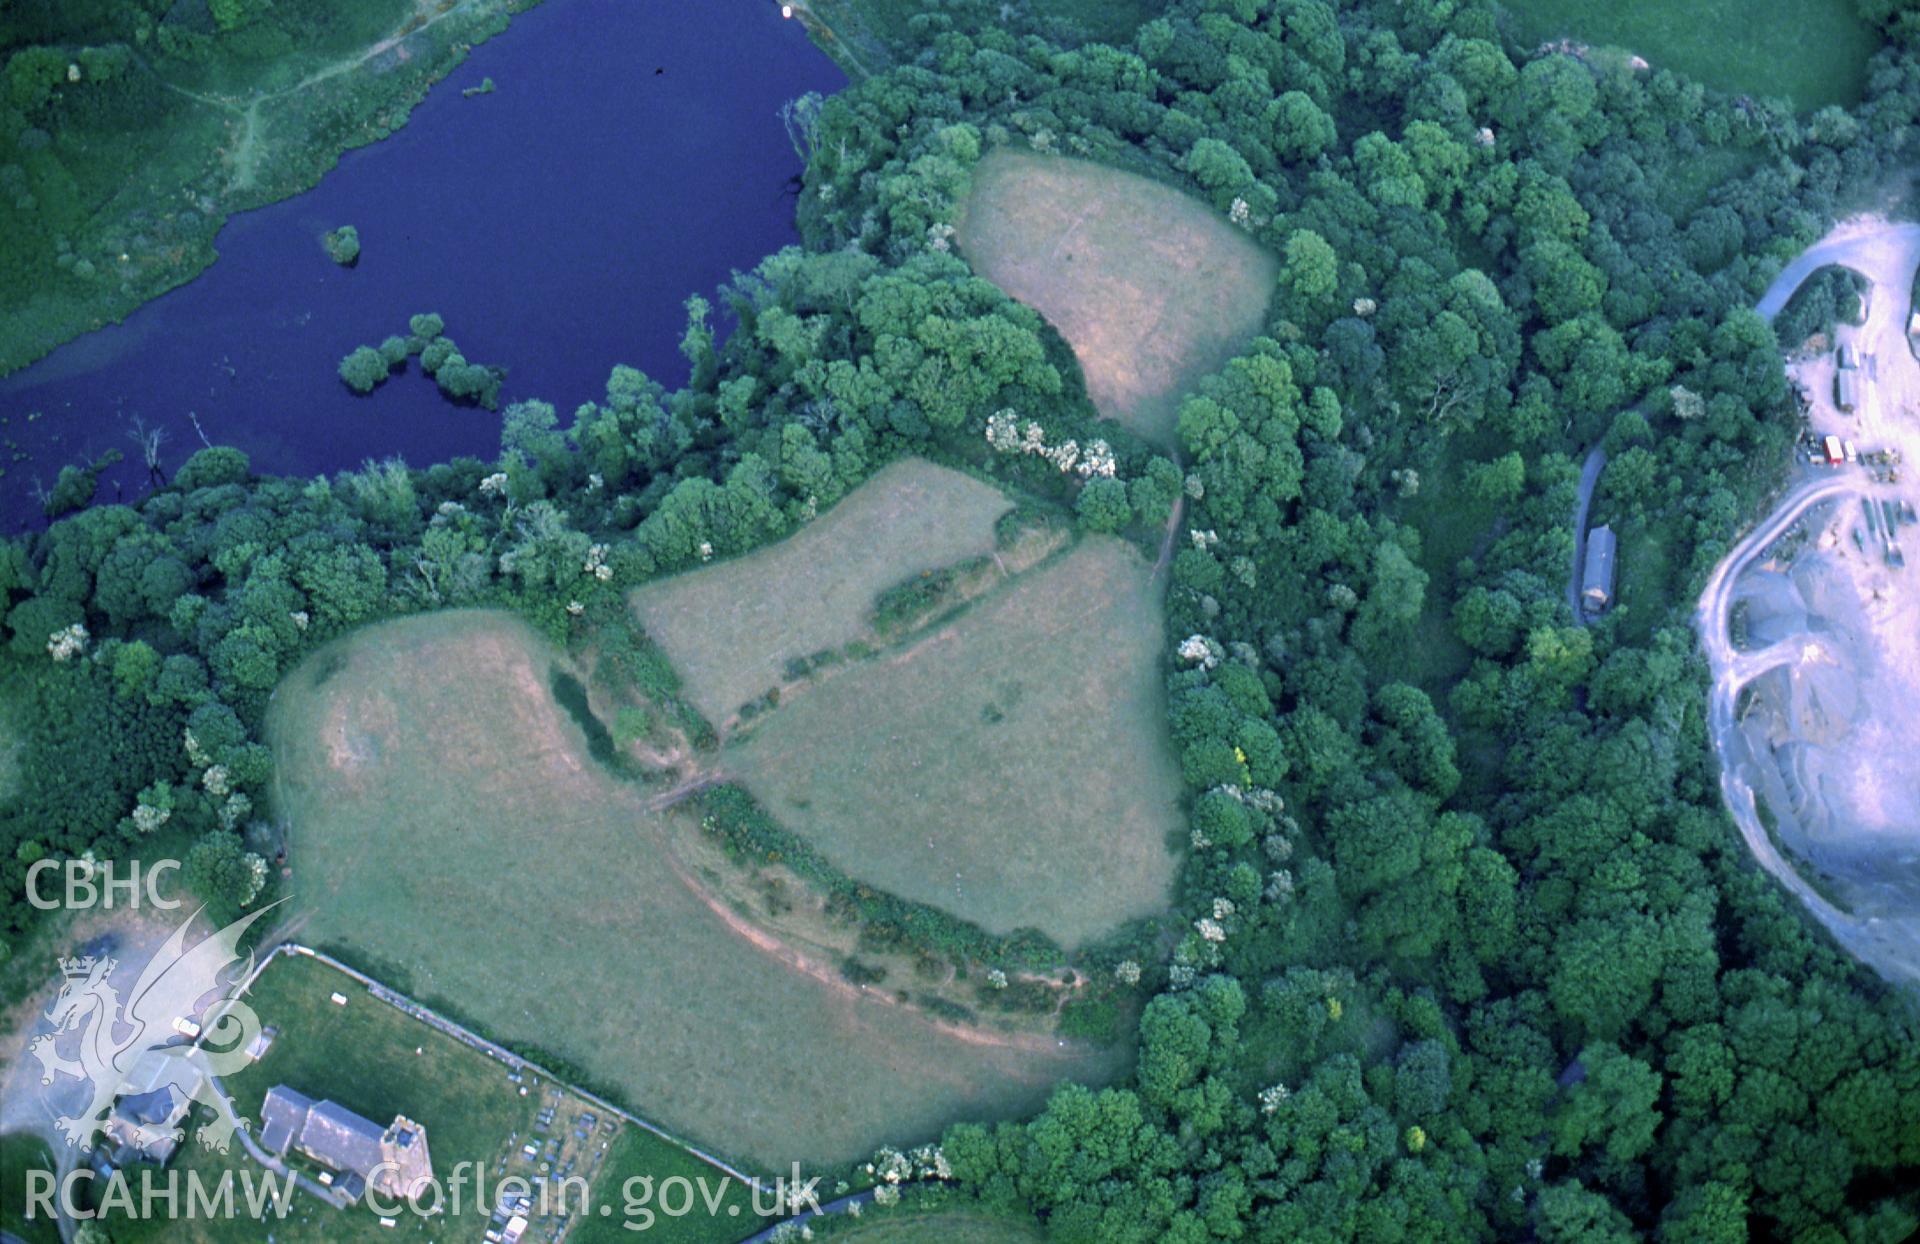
point(632, 155)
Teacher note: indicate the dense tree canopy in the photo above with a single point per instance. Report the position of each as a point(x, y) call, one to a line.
point(1465, 945)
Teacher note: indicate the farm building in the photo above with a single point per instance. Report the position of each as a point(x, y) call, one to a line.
point(1596, 588)
point(1846, 385)
point(394, 1161)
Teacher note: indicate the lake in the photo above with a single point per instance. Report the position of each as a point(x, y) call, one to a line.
point(630, 157)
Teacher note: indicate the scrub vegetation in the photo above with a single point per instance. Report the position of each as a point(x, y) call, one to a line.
point(1831, 296)
point(1453, 957)
point(366, 368)
point(21, 1152)
point(871, 35)
point(909, 1225)
point(342, 245)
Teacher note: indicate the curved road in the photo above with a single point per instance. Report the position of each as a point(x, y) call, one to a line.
point(1885, 253)
point(1858, 244)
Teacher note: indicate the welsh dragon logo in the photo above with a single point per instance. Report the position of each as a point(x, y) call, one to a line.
point(145, 1032)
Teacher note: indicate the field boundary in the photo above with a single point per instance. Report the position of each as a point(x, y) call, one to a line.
point(1026, 651)
point(732, 630)
point(473, 1040)
point(358, 750)
point(920, 633)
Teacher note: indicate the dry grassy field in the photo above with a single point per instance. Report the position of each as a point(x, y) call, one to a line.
point(449, 826)
point(1010, 766)
point(731, 629)
point(1150, 287)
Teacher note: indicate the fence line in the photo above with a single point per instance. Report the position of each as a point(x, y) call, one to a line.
point(500, 1053)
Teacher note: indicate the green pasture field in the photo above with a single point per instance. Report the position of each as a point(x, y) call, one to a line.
point(446, 816)
point(1811, 52)
point(1010, 766)
point(378, 1061)
point(1150, 287)
point(639, 1156)
point(731, 629)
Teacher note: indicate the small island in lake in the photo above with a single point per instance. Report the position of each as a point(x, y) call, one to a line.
point(343, 246)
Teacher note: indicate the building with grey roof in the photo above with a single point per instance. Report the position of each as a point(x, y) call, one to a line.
point(360, 1153)
point(146, 1121)
point(1846, 390)
point(281, 1116)
point(146, 1126)
point(1596, 582)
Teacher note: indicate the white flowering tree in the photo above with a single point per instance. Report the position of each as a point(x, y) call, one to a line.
point(67, 643)
point(223, 874)
point(154, 809)
point(1201, 651)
